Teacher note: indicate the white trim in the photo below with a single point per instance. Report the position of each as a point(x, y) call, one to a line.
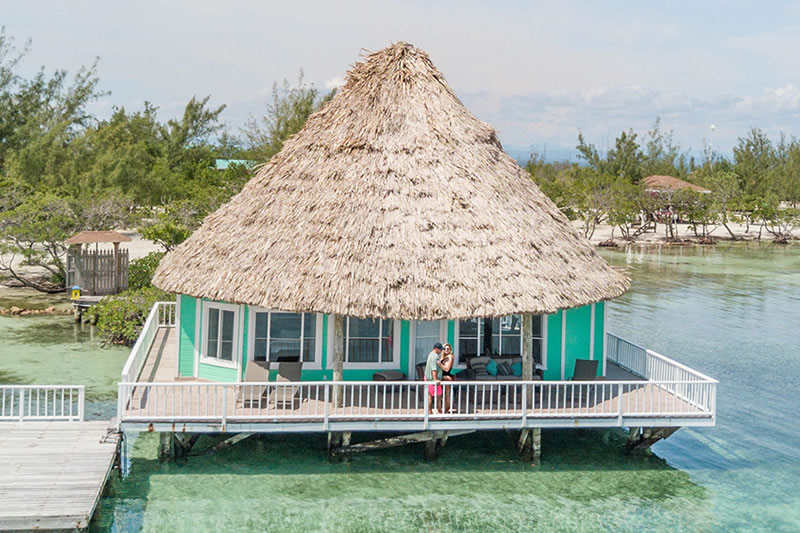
point(412, 341)
point(563, 343)
point(543, 364)
point(591, 335)
point(177, 335)
point(605, 338)
point(198, 325)
point(329, 354)
point(395, 363)
point(242, 353)
point(234, 363)
point(316, 364)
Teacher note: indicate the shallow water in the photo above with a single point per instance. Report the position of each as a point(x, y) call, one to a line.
point(728, 311)
point(47, 350)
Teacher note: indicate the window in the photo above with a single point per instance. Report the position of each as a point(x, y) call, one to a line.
point(284, 335)
point(220, 332)
point(369, 341)
point(496, 337)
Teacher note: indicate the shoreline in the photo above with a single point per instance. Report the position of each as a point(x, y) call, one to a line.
point(606, 236)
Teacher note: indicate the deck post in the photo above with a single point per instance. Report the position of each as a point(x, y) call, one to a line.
point(432, 450)
point(166, 446)
point(527, 354)
point(338, 358)
point(530, 445)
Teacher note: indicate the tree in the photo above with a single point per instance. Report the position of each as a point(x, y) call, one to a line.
point(755, 158)
point(285, 116)
point(662, 157)
point(623, 161)
point(32, 234)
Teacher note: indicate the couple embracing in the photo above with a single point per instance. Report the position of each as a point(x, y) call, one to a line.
point(437, 369)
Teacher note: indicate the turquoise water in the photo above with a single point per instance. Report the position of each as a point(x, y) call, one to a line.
point(728, 311)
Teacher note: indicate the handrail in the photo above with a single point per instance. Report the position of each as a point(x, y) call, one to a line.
point(161, 315)
point(22, 403)
point(272, 402)
point(613, 357)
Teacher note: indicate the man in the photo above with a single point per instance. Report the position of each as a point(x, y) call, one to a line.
point(433, 373)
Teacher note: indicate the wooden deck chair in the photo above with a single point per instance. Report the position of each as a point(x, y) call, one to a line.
point(255, 372)
point(287, 372)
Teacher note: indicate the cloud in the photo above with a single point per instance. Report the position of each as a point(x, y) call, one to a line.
point(334, 83)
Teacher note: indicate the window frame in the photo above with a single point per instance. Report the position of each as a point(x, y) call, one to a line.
point(394, 364)
point(216, 361)
point(482, 338)
point(316, 364)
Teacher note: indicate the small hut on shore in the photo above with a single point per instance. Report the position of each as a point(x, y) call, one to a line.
point(391, 221)
point(656, 184)
point(97, 271)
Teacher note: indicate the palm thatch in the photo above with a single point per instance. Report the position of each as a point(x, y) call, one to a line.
point(666, 183)
point(393, 201)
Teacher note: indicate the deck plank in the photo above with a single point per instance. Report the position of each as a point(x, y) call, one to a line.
point(52, 473)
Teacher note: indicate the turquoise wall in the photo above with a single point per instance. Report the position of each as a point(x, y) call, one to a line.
point(577, 338)
point(186, 331)
point(599, 333)
point(553, 355)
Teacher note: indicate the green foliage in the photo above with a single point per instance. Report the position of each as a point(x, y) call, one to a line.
point(32, 234)
point(121, 317)
point(285, 116)
point(623, 161)
point(140, 271)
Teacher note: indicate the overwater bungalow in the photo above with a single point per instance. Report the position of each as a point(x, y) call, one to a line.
point(394, 220)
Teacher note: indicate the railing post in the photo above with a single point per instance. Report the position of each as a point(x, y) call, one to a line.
point(21, 404)
point(327, 407)
point(224, 405)
point(81, 400)
point(619, 404)
point(525, 405)
point(426, 404)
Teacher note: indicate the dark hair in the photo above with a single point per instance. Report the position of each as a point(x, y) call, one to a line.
point(438, 346)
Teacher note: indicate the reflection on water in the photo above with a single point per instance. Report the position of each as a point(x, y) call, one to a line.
point(731, 311)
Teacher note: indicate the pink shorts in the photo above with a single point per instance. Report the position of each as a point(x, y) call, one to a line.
point(435, 390)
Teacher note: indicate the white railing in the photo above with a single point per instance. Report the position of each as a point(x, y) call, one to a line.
point(325, 401)
point(162, 315)
point(41, 402)
point(679, 380)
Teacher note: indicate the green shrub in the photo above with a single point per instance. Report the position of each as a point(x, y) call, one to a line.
point(121, 317)
point(140, 271)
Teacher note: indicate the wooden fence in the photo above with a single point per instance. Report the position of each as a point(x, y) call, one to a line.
point(97, 272)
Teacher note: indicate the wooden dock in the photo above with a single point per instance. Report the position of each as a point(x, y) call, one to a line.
point(52, 474)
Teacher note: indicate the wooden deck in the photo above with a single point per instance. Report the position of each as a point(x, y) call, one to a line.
point(52, 473)
point(621, 398)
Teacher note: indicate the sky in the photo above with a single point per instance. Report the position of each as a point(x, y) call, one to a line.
point(539, 72)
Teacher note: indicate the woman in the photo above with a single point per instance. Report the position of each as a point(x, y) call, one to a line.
point(446, 364)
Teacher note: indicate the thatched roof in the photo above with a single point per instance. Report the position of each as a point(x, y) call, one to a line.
point(662, 183)
point(87, 237)
point(393, 201)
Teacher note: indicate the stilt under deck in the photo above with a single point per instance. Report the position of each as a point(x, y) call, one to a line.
point(158, 401)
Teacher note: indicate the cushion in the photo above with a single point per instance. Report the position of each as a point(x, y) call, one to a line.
point(504, 369)
point(478, 360)
point(479, 368)
point(516, 368)
point(491, 367)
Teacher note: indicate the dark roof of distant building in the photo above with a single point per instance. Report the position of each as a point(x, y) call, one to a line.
point(668, 182)
point(86, 237)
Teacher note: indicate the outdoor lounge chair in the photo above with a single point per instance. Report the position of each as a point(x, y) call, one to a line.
point(288, 372)
point(585, 370)
point(256, 372)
